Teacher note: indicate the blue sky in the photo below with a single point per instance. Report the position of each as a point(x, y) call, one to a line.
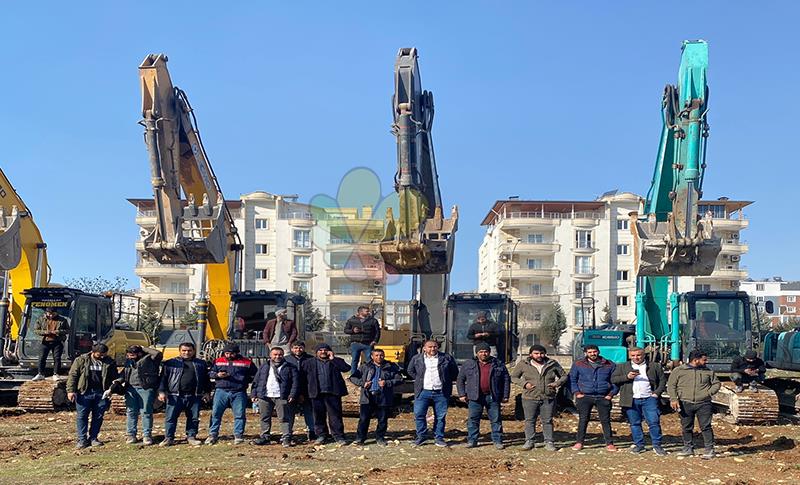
point(537, 99)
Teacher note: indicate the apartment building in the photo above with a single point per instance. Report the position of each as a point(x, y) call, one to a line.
point(287, 246)
point(785, 297)
point(579, 254)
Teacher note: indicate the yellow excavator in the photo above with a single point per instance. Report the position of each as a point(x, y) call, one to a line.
point(91, 318)
point(194, 225)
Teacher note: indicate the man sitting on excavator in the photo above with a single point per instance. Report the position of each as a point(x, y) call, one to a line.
point(53, 329)
point(748, 369)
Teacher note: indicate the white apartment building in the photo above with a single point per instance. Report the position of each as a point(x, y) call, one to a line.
point(579, 254)
point(785, 297)
point(287, 246)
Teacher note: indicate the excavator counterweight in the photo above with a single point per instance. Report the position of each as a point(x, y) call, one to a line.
point(420, 241)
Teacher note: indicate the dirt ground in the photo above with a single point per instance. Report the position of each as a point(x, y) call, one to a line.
point(39, 448)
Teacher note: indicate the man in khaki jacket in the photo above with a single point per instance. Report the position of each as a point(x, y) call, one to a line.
point(690, 388)
point(539, 377)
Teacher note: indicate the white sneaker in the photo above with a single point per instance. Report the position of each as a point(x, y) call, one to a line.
point(54, 377)
point(38, 377)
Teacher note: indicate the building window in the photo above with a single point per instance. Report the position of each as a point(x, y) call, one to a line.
point(302, 264)
point(534, 263)
point(343, 315)
point(535, 238)
point(302, 287)
point(582, 289)
point(581, 316)
point(262, 248)
point(759, 287)
point(717, 211)
point(790, 309)
point(791, 299)
point(537, 315)
point(622, 275)
point(536, 289)
point(759, 298)
point(583, 265)
point(583, 239)
point(702, 288)
point(622, 249)
point(262, 223)
point(262, 274)
point(302, 238)
point(622, 224)
point(622, 301)
point(178, 287)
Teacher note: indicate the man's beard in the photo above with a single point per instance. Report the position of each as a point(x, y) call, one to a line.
point(539, 360)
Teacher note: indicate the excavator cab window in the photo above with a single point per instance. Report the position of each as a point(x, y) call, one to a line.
point(30, 339)
point(84, 327)
point(721, 327)
point(462, 314)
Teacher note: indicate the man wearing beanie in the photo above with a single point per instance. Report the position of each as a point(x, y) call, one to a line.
point(323, 376)
point(748, 370)
point(539, 377)
point(232, 374)
point(483, 382)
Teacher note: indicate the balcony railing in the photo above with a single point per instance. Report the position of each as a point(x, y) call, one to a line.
point(552, 215)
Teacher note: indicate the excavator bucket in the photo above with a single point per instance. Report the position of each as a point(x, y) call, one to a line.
point(202, 238)
point(428, 249)
point(657, 252)
point(10, 245)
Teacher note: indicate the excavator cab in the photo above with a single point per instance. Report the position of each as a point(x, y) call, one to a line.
point(717, 322)
point(462, 312)
point(10, 245)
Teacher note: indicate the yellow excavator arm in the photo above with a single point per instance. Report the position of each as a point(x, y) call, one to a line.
point(26, 267)
point(193, 225)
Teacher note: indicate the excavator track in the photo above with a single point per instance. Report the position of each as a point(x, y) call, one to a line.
point(43, 396)
point(749, 407)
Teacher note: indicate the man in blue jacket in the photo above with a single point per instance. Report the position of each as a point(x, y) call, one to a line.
point(232, 374)
point(184, 383)
point(433, 373)
point(275, 388)
point(484, 382)
point(590, 381)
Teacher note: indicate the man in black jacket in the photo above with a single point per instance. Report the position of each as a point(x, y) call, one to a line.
point(140, 379)
point(364, 331)
point(303, 403)
point(184, 383)
point(748, 370)
point(376, 380)
point(326, 387)
point(641, 384)
point(433, 373)
point(484, 331)
point(483, 382)
point(275, 388)
point(232, 374)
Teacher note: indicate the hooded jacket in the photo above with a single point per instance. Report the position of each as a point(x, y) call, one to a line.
point(526, 373)
point(143, 372)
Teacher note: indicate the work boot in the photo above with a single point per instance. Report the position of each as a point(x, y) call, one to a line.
point(130, 440)
point(38, 377)
point(192, 440)
point(686, 451)
point(529, 445)
point(147, 440)
point(550, 446)
point(211, 440)
point(738, 388)
point(753, 387)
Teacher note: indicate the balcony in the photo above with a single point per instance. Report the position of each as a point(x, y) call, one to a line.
point(520, 273)
point(730, 224)
point(350, 246)
point(164, 296)
point(146, 218)
point(734, 246)
point(587, 219)
point(301, 249)
point(342, 295)
point(584, 248)
point(584, 274)
point(356, 273)
point(549, 298)
point(728, 274)
point(529, 248)
point(152, 269)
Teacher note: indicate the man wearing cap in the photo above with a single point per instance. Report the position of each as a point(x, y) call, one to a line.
point(539, 377)
point(483, 383)
point(748, 370)
point(302, 404)
point(140, 378)
point(484, 330)
point(232, 374)
point(53, 329)
point(280, 331)
point(323, 375)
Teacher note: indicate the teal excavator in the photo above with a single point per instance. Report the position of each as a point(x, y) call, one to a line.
point(672, 239)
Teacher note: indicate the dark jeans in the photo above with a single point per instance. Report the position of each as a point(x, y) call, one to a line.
point(585, 405)
point(703, 411)
point(328, 407)
point(139, 401)
point(740, 378)
point(91, 402)
point(308, 415)
point(57, 347)
point(485, 401)
point(190, 406)
point(534, 409)
point(356, 350)
point(365, 413)
point(646, 408)
point(425, 400)
point(224, 399)
point(285, 416)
